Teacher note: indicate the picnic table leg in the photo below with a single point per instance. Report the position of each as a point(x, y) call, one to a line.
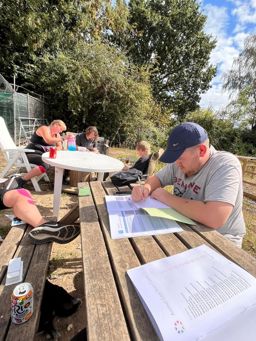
point(58, 177)
point(100, 176)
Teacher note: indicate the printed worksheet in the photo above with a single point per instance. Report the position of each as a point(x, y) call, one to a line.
point(198, 295)
point(127, 219)
point(120, 203)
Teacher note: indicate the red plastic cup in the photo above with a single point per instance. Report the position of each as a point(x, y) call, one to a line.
point(53, 153)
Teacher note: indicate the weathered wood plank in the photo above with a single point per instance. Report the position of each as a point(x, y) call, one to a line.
point(71, 216)
point(105, 319)
point(9, 247)
point(124, 258)
point(228, 249)
point(147, 249)
point(36, 275)
point(170, 244)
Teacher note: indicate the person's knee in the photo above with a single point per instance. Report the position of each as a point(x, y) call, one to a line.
point(42, 169)
point(17, 197)
point(10, 197)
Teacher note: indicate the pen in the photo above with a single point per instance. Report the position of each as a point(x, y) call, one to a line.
point(141, 185)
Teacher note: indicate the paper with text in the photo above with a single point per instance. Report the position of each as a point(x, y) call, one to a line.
point(128, 220)
point(198, 295)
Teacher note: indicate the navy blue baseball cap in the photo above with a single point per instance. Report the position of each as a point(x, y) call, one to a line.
point(185, 135)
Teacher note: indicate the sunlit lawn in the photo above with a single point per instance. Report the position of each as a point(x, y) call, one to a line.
point(249, 207)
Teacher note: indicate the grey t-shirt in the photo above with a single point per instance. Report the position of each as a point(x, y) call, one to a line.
point(220, 179)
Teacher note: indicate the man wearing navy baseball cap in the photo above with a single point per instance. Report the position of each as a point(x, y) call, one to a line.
point(207, 184)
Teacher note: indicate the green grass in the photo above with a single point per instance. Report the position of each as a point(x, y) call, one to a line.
point(249, 206)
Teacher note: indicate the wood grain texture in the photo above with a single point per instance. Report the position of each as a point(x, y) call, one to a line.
point(123, 258)
point(35, 263)
point(103, 254)
point(9, 247)
point(36, 275)
point(228, 249)
point(105, 318)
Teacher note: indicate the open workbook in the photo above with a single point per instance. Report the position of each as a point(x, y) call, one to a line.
point(198, 295)
point(130, 219)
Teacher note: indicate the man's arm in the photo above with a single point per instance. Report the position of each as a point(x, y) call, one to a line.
point(141, 192)
point(213, 214)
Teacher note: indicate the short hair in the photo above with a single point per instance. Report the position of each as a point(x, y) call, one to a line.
point(143, 145)
point(60, 123)
point(90, 129)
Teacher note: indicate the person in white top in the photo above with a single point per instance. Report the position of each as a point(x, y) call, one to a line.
point(208, 186)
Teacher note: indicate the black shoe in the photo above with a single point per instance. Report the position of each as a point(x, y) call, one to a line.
point(48, 232)
point(15, 182)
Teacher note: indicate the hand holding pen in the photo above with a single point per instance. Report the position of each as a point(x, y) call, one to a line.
point(140, 192)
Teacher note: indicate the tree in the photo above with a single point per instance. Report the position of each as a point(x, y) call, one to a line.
point(31, 28)
point(241, 81)
point(94, 84)
point(222, 133)
point(168, 38)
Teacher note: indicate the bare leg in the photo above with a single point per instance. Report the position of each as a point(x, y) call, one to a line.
point(34, 172)
point(23, 206)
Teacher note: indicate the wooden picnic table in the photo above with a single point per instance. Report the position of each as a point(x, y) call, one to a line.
point(113, 308)
point(35, 265)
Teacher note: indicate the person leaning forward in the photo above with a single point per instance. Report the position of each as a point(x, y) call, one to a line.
point(208, 185)
point(87, 139)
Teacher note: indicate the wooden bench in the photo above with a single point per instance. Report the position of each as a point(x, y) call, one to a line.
point(113, 308)
point(35, 264)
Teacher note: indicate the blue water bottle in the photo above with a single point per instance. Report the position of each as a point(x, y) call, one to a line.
point(71, 143)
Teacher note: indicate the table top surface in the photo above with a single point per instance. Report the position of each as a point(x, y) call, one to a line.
point(84, 161)
point(114, 310)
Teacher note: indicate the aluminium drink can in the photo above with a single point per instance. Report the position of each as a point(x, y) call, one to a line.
point(22, 303)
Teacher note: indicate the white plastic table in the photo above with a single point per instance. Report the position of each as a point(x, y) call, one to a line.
point(79, 161)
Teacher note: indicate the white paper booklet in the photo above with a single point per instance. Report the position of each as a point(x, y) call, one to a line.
point(14, 271)
point(127, 220)
point(198, 295)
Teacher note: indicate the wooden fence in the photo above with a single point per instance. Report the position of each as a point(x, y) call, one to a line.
point(249, 175)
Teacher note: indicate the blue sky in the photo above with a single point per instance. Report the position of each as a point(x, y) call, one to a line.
point(229, 22)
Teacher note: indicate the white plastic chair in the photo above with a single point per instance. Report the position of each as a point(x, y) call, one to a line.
point(16, 156)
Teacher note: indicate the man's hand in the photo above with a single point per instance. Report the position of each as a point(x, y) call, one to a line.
point(161, 194)
point(140, 192)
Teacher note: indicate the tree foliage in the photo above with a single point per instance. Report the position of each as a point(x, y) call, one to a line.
point(125, 68)
point(241, 80)
point(224, 134)
point(168, 38)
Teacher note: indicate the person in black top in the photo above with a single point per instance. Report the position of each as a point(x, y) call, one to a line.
point(143, 150)
point(87, 140)
point(41, 141)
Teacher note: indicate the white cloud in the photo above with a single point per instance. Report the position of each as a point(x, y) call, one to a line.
point(215, 98)
point(239, 39)
point(246, 13)
point(217, 18)
point(227, 48)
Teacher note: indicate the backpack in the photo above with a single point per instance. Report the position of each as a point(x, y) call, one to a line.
point(126, 177)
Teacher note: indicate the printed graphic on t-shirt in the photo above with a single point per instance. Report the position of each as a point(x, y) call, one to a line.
point(188, 189)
